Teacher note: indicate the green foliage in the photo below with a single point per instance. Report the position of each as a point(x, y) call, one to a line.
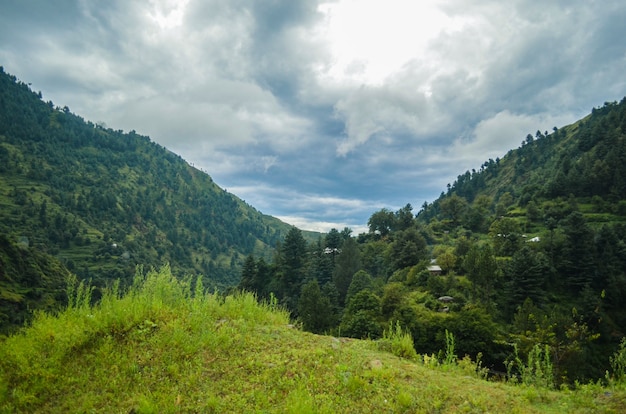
point(407, 249)
point(536, 371)
point(450, 355)
point(166, 345)
point(526, 275)
point(482, 270)
point(618, 364)
point(292, 264)
point(35, 361)
point(348, 262)
point(360, 318)
point(30, 280)
point(102, 201)
point(453, 208)
point(360, 281)
point(398, 341)
point(315, 310)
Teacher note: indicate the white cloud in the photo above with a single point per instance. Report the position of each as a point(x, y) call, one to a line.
point(493, 137)
point(304, 223)
point(327, 111)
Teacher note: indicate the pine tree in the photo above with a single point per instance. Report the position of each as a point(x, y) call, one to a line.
point(292, 266)
point(314, 309)
point(348, 262)
point(578, 257)
point(526, 274)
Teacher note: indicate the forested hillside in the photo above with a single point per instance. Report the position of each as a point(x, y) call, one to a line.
point(102, 201)
point(524, 259)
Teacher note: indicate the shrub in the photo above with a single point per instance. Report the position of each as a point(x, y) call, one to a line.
point(398, 341)
point(618, 364)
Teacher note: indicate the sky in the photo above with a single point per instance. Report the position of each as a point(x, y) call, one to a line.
point(323, 112)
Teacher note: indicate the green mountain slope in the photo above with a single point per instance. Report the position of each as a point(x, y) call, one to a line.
point(585, 160)
point(103, 201)
point(182, 350)
point(530, 258)
point(541, 236)
point(29, 280)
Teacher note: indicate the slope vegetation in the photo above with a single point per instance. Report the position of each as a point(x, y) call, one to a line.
point(530, 256)
point(29, 280)
point(166, 346)
point(103, 201)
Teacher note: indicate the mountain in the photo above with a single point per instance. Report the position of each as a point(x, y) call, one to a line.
point(529, 260)
point(585, 160)
point(103, 201)
point(540, 235)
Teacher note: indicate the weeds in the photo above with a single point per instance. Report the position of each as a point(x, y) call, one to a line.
point(398, 341)
point(618, 365)
point(450, 359)
point(166, 345)
point(537, 371)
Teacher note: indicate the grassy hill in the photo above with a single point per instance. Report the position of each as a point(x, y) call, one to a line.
point(167, 346)
point(102, 201)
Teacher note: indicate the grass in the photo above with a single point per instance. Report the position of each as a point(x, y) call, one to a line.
point(167, 346)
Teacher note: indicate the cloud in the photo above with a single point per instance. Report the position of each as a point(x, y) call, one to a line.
point(323, 111)
point(493, 137)
point(317, 212)
point(384, 111)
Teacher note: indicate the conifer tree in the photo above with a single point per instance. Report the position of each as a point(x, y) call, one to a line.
point(348, 262)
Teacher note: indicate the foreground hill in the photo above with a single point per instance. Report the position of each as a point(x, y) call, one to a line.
point(168, 347)
point(103, 201)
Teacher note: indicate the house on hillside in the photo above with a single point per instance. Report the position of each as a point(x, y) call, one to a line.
point(434, 269)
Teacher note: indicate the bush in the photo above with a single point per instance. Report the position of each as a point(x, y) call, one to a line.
point(398, 341)
point(618, 364)
point(538, 371)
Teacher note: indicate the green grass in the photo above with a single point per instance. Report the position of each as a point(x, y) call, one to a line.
point(166, 346)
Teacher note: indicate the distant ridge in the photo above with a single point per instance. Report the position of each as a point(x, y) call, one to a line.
point(103, 201)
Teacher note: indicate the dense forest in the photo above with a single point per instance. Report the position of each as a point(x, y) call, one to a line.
point(526, 256)
point(98, 202)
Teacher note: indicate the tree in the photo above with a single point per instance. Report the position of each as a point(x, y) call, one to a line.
point(248, 274)
point(532, 211)
point(322, 262)
point(526, 275)
point(446, 259)
point(408, 248)
point(374, 258)
point(262, 279)
point(505, 235)
point(314, 309)
point(360, 319)
point(504, 202)
point(381, 222)
point(578, 262)
point(333, 239)
point(482, 270)
point(292, 265)
point(360, 281)
point(404, 218)
point(393, 297)
point(454, 207)
point(348, 262)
